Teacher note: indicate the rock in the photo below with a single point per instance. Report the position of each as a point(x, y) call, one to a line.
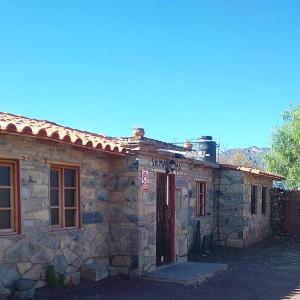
point(40, 284)
point(4, 293)
point(71, 279)
point(77, 262)
point(123, 271)
point(23, 267)
point(102, 260)
point(34, 273)
point(69, 255)
point(14, 252)
point(235, 243)
point(94, 271)
point(42, 215)
point(28, 294)
point(121, 261)
point(89, 261)
point(91, 217)
point(113, 271)
point(103, 195)
point(60, 264)
point(5, 243)
point(8, 275)
point(24, 284)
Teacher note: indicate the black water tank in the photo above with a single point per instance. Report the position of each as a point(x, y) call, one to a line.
point(206, 144)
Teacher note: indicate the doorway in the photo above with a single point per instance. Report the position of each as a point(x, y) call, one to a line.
point(165, 218)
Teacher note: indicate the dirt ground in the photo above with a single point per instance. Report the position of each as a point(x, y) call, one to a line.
point(268, 270)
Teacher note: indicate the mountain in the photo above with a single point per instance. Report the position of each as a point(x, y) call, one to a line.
point(247, 157)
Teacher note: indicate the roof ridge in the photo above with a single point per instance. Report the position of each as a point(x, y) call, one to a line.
point(252, 170)
point(18, 124)
point(56, 124)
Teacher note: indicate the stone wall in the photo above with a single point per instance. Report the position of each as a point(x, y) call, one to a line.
point(277, 216)
point(186, 218)
point(256, 226)
point(124, 215)
point(229, 220)
point(118, 229)
point(237, 226)
point(185, 215)
point(108, 207)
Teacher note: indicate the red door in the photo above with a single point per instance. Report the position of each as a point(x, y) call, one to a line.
point(165, 218)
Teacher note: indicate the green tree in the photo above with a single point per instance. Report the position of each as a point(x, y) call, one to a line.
point(284, 157)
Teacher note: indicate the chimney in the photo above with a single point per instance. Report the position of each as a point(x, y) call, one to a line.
point(138, 132)
point(188, 145)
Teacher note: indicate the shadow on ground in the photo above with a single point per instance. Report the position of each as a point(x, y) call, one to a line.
point(269, 270)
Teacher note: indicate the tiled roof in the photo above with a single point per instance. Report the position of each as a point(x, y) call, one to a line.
point(252, 171)
point(14, 124)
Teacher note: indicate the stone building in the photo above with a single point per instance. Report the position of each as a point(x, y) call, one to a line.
point(243, 198)
point(63, 203)
point(95, 206)
point(179, 194)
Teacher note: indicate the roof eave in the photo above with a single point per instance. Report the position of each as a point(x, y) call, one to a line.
point(38, 137)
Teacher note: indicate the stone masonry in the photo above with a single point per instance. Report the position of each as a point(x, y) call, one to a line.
point(185, 203)
point(118, 232)
point(108, 209)
point(237, 226)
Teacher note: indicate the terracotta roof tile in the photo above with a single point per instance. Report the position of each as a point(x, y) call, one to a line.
point(15, 124)
point(252, 171)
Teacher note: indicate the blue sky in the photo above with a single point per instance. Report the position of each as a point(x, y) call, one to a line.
point(180, 69)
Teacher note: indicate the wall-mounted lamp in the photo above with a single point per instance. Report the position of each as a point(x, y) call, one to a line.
point(171, 166)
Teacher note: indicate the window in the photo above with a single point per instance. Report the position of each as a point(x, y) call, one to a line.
point(64, 197)
point(200, 198)
point(253, 199)
point(9, 197)
point(263, 199)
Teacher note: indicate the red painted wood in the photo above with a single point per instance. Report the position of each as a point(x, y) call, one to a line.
point(173, 220)
point(165, 219)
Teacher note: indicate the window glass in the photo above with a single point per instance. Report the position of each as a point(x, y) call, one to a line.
point(69, 178)
point(69, 217)
point(200, 198)
point(4, 197)
point(54, 200)
point(64, 199)
point(253, 199)
point(4, 176)
point(69, 198)
point(54, 216)
point(9, 198)
point(54, 178)
point(201, 187)
point(5, 219)
point(263, 199)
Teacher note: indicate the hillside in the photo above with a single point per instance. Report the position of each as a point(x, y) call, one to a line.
point(252, 156)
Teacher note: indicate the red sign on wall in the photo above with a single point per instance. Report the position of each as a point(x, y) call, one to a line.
point(145, 180)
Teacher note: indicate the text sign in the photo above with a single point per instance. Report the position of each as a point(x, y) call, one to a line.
point(145, 180)
point(163, 164)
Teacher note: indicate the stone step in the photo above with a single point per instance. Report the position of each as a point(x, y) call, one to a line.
point(94, 271)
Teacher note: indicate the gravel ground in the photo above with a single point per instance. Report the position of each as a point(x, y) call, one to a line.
point(268, 270)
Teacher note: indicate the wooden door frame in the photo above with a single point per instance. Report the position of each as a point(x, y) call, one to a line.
point(172, 203)
point(172, 185)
